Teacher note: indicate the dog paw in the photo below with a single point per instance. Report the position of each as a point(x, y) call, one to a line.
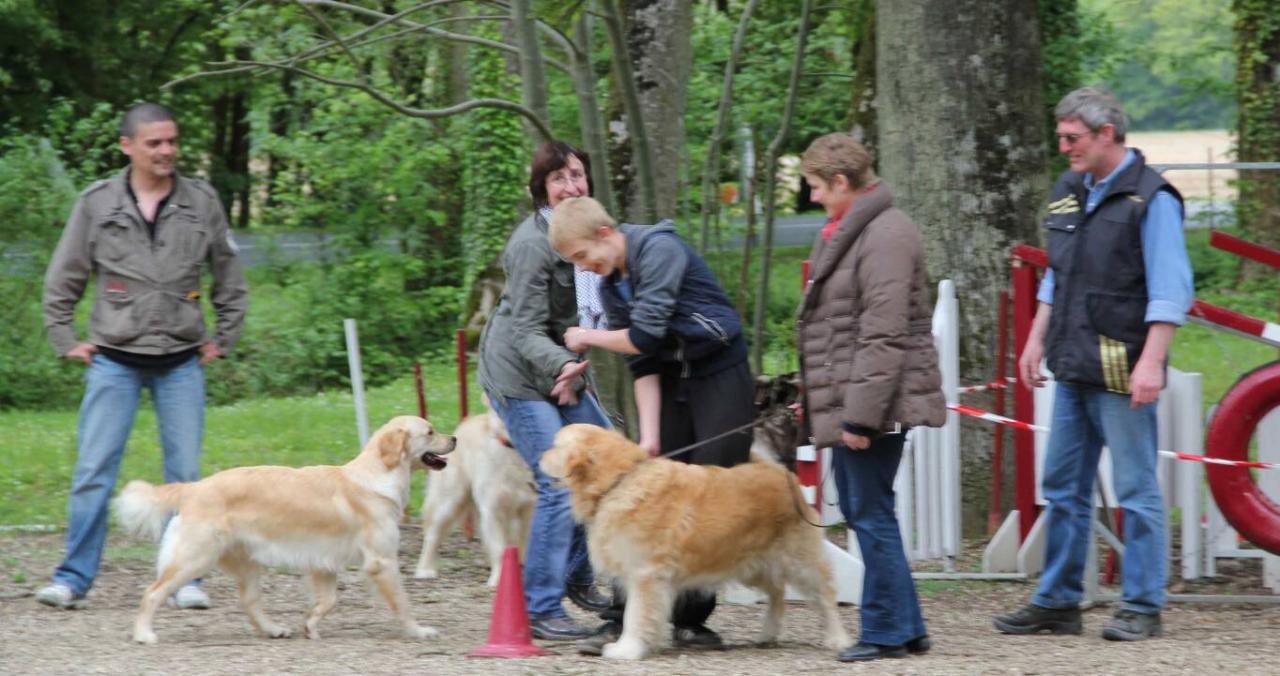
point(426, 574)
point(492, 582)
point(310, 633)
point(276, 631)
point(838, 641)
point(418, 631)
point(145, 637)
point(624, 650)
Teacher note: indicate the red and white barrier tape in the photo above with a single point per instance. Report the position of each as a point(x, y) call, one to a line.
point(993, 385)
point(1019, 425)
point(998, 419)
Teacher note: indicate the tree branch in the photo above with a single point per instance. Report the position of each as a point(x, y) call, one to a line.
point(385, 19)
point(380, 97)
point(355, 63)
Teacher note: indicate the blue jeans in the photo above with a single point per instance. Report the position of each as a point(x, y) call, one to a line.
point(1083, 420)
point(112, 393)
point(890, 610)
point(555, 541)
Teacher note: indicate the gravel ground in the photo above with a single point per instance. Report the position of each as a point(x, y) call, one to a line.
point(359, 636)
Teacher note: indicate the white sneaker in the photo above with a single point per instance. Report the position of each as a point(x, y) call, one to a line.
point(190, 597)
point(60, 595)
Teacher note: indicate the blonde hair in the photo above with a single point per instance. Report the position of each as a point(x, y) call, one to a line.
point(577, 218)
point(838, 154)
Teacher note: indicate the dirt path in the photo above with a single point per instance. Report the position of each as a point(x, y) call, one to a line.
point(359, 637)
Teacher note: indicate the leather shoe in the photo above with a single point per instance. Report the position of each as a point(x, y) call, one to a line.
point(605, 634)
point(588, 597)
point(918, 646)
point(1034, 619)
point(870, 651)
point(696, 638)
point(558, 629)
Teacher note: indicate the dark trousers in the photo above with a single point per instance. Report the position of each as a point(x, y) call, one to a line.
point(890, 610)
point(694, 409)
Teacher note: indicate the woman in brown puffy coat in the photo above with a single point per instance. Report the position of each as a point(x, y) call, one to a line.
point(870, 373)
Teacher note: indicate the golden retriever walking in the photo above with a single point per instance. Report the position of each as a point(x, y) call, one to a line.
point(317, 519)
point(661, 526)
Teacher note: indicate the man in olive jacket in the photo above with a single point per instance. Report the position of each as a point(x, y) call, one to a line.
point(144, 236)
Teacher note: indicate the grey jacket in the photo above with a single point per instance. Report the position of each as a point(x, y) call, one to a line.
point(866, 340)
point(147, 292)
point(522, 347)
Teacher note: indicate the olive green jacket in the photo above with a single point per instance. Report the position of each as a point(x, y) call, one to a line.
point(147, 290)
point(522, 347)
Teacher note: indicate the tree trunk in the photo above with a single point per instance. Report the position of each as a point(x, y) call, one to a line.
point(658, 38)
point(711, 169)
point(493, 181)
point(641, 199)
point(962, 145)
point(862, 102)
point(533, 80)
point(1257, 44)
point(770, 191)
point(589, 114)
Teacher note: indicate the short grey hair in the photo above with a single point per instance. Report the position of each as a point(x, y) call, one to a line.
point(143, 113)
point(1094, 107)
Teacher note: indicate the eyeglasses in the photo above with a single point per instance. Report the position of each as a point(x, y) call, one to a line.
point(562, 177)
point(1072, 138)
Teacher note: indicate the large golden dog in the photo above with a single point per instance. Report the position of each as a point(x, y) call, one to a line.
point(316, 519)
point(660, 526)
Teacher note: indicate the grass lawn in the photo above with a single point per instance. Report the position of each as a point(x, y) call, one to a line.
point(38, 452)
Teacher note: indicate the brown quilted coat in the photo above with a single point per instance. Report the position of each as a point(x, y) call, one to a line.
point(865, 324)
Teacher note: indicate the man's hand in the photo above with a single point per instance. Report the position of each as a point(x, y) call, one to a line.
point(1145, 383)
point(83, 352)
point(1029, 364)
point(575, 339)
point(856, 442)
point(210, 351)
point(564, 391)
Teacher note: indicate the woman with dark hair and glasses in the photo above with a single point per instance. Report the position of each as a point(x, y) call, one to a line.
point(537, 386)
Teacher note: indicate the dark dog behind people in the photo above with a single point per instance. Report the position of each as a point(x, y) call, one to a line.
point(778, 431)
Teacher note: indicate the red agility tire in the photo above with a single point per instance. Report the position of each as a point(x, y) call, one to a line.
point(1245, 506)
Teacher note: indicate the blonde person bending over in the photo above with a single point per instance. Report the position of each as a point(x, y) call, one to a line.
point(684, 346)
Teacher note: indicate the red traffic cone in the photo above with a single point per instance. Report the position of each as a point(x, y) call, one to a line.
point(509, 634)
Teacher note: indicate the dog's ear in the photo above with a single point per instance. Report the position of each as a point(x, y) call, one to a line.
point(577, 463)
point(392, 446)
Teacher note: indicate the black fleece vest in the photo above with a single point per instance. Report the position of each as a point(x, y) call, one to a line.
point(1098, 328)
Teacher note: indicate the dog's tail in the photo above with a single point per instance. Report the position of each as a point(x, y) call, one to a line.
point(143, 509)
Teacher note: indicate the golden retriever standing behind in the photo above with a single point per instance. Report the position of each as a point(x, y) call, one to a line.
point(661, 526)
point(316, 519)
point(487, 475)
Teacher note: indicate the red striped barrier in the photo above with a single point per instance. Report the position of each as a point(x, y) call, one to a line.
point(1019, 425)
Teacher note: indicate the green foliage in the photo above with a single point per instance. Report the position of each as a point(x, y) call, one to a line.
point(36, 193)
point(294, 342)
point(1172, 60)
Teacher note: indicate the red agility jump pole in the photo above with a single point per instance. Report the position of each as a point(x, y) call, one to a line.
point(1025, 282)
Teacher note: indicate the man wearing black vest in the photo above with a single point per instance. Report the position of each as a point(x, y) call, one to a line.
point(1118, 286)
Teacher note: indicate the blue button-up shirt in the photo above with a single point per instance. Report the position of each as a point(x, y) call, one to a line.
point(1164, 252)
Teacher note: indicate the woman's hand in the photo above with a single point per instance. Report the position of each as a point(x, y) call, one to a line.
point(856, 442)
point(564, 391)
point(650, 446)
